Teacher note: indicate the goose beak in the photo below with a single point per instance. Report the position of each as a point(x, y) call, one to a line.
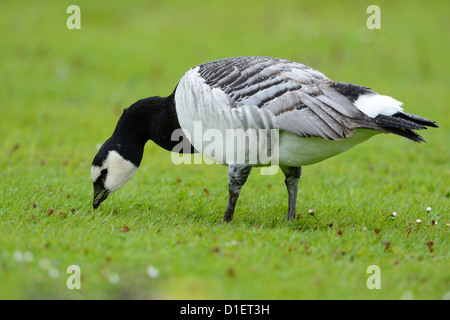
point(100, 195)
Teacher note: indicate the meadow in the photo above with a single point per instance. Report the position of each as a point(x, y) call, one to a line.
point(159, 237)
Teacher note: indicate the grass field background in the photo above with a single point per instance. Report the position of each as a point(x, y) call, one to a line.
point(62, 91)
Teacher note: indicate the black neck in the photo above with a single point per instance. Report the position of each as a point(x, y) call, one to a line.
point(153, 118)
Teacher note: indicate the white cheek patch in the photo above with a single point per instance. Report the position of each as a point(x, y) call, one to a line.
point(95, 173)
point(119, 171)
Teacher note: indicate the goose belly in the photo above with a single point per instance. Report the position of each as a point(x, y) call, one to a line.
point(296, 151)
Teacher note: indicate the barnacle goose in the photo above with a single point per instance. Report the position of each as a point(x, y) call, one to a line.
point(316, 118)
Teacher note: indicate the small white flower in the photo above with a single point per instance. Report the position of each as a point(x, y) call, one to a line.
point(152, 272)
point(428, 209)
point(407, 295)
point(44, 263)
point(114, 278)
point(419, 221)
point(53, 273)
point(28, 256)
point(394, 214)
point(18, 256)
point(231, 243)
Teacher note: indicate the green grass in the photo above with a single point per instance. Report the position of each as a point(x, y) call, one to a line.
point(62, 91)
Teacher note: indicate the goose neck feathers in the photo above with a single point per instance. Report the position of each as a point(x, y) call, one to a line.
point(151, 118)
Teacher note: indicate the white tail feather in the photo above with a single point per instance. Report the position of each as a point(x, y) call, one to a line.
point(376, 104)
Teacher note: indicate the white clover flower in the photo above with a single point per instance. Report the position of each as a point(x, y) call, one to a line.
point(231, 243)
point(18, 256)
point(44, 263)
point(152, 272)
point(113, 278)
point(53, 273)
point(28, 256)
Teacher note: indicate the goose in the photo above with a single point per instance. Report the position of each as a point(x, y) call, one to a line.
point(315, 117)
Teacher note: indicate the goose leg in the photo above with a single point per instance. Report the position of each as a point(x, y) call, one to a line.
point(292, 175)
point(237, 175)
